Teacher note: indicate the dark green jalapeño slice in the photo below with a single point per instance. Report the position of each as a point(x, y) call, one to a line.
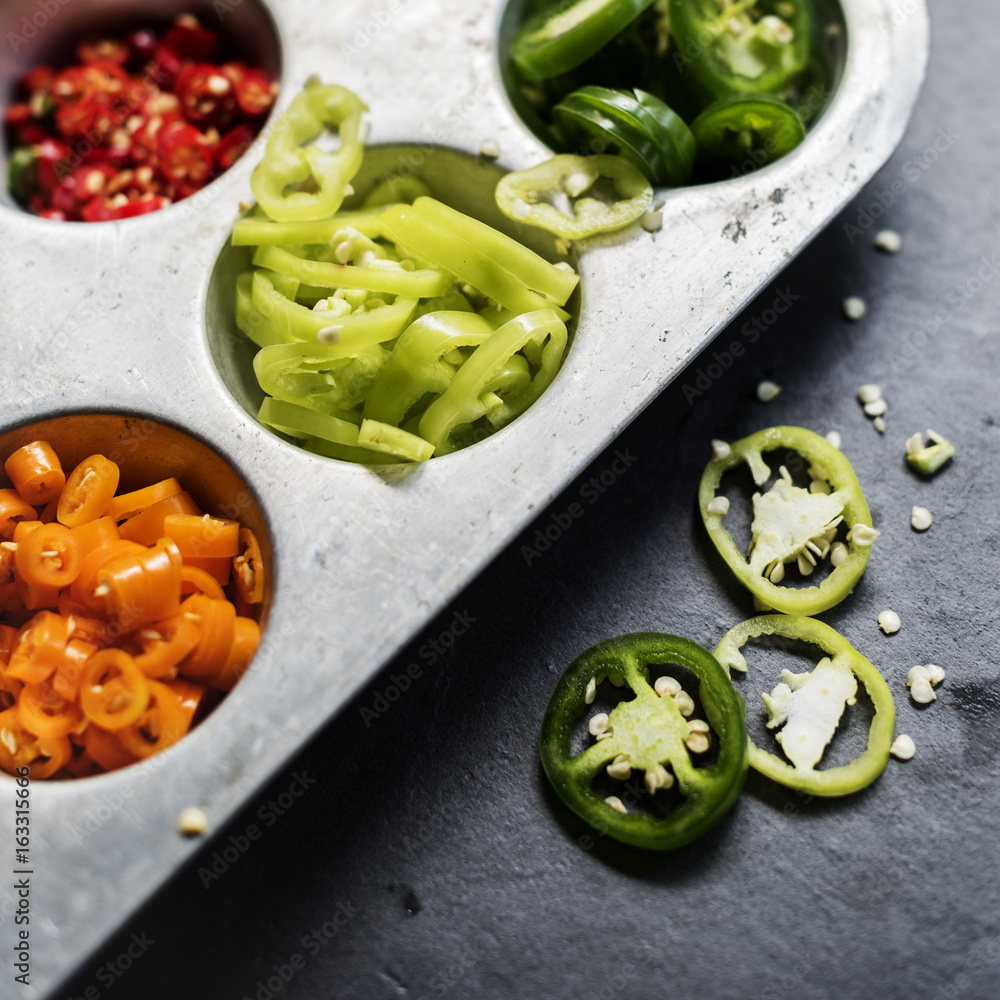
point(567, 33)
point(744, 133)
point(656, 733)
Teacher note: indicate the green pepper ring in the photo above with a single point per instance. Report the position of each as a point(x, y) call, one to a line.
point(834, 780)
point(791, 600)
point(709, 791)
point(718, 128)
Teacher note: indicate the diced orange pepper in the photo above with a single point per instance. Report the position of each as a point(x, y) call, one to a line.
point(128, 505)
point(40, 649)
point(36, 472)
point(114, 692)
point(49, 557)
point(161, 725)
point(88, 492)
point(14, 508)
point(147, 527)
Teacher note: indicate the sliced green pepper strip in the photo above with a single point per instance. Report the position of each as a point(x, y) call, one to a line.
point(254, 232)
point(396, 191)
point(250, 319)
point(652, 732)
point(564, 35)
point(789, 521)
point(556, 283)
point(390, 280)
point(415, 367)
point(520, 195)
point(462, 402)
point(288, 321)
point(757, 57)
point(742, 130)
point(418, 235)
point(394, 441)
point(22, 174)
point(331, 378)
point(834, 780)
point(301, 422)
point(288, 161)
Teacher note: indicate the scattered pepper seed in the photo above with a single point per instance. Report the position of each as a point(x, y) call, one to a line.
point(920, 518)
point(869, 392)
point(666, 686)
point(720, 449)
point(903, 747)
point(889, 622)
point(861, 534)
point(192, 822)
point(834, 438)
point(598, 724)
point(767, 390)
point(620, 768)
point(888, 241)
point(652, 222)
point(879, 424)
point(489, 149)
point(854, 307)
point(876, 407)
point(685, 705)
point(591, 692)
point(616, 804)
point(719, 505)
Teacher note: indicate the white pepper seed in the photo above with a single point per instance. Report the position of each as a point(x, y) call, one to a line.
point(903, 747)
point(889, 622)
point(920, 518)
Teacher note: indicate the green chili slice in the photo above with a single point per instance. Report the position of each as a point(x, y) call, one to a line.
point(792, 524)
point(747, 132)
point(565, 34)
point(648, 733)
point(522, 195)
point(810, 722)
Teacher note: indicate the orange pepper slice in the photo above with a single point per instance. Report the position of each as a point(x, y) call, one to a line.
point(40, 649)
point(66, 680)
point(24, 528)
point(114, 692)
point(44, 712)
point(83, 587)
point(14, 508)
point(127, 505)
point(106, 749)
point(36, 472)
point(197, 581)
point(246, 639)
point(96, 533)
point(142, 588)
point(49, 557)
point(147, 526)
point(161, 725)
point(203, 537)
point(88, 492)
point(248, 568)
point(165, 643)
point(218, 629)
point(53, 753)
point(197, 700)
point(217, 569)
point(43, 756)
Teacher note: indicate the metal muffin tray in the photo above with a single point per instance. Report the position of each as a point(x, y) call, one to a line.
point(132, 320)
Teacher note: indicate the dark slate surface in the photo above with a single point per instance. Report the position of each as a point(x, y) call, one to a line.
point(431, 835)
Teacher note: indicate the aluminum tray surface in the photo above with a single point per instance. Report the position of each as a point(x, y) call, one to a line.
point(112, 318)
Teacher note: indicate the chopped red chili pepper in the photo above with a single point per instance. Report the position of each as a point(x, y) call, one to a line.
point(139, 121)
